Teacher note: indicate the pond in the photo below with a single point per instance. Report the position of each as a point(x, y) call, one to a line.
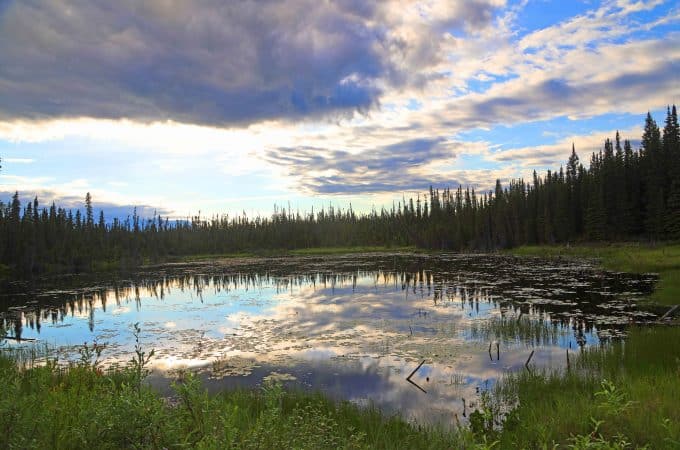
point(354, 327)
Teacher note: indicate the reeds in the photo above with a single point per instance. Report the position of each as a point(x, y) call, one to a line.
point(641, 373)
point(82, 407)
point(525, 329)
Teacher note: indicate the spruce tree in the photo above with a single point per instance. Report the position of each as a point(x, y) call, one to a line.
point(671, 146)
point(672, 224)
point(89, 215)
point(653, 176)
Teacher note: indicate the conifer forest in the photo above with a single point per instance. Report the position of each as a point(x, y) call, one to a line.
point(619, 193)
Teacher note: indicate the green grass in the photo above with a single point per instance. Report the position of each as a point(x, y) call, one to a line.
point(624, 395)
point(312, 251)
point(663, 259)
point(348, 250)
point(638, 402)
point(207, 257)
point(84, 407)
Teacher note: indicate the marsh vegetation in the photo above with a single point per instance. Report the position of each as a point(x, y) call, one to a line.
point(248, 341)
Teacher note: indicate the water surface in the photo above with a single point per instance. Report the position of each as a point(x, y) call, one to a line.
point(352, 326)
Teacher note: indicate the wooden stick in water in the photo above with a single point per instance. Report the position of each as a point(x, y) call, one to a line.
point(14, 338)
point(526, 364)
point(408, 378)
point(568, 364)
point(416, 369)
point(669, 312)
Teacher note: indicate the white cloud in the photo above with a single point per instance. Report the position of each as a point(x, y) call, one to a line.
point(19, 160)
point(585, 66)
point(555, 154)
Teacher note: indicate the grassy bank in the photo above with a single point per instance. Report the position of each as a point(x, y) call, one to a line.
point(313, 251)
point(624, 395)
point(127, 265)
point(635, 258)
point(84, 407)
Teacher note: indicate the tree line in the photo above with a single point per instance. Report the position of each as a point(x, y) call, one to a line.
point(624, 193)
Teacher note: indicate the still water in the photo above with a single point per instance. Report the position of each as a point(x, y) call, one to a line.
point(354, 327)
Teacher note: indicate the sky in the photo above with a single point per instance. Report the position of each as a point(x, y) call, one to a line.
point(232, 107)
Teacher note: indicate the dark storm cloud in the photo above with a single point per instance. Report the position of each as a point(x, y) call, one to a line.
point(211, 62)
point(385, 169)
point(207, 62)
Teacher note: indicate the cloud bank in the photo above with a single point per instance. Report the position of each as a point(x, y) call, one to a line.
point(344, 97)
point(214, 62)
point(389, 168)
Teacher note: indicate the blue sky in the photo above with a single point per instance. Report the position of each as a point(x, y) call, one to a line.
point(226, 107)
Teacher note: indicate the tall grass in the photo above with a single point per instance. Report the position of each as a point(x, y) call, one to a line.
point(346, 250)
point(526, 330)
point(312, 251)
point(622, 395)
point(630, 389)
point(82, 406)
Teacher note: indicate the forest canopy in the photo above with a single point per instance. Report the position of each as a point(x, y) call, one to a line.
point(622, 193)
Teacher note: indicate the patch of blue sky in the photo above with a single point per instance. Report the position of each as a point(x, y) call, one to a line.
point(658, 32)
point(540, 14)
point(65, 160)
point(664, 9)
point(414, 104)
point(59, 159)
point(537, 14)
point(475, 162)
point(481, 85)
point(547, 132)
point(457, 33)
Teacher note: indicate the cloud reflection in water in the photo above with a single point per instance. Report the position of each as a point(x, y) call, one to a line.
point(354, 327)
